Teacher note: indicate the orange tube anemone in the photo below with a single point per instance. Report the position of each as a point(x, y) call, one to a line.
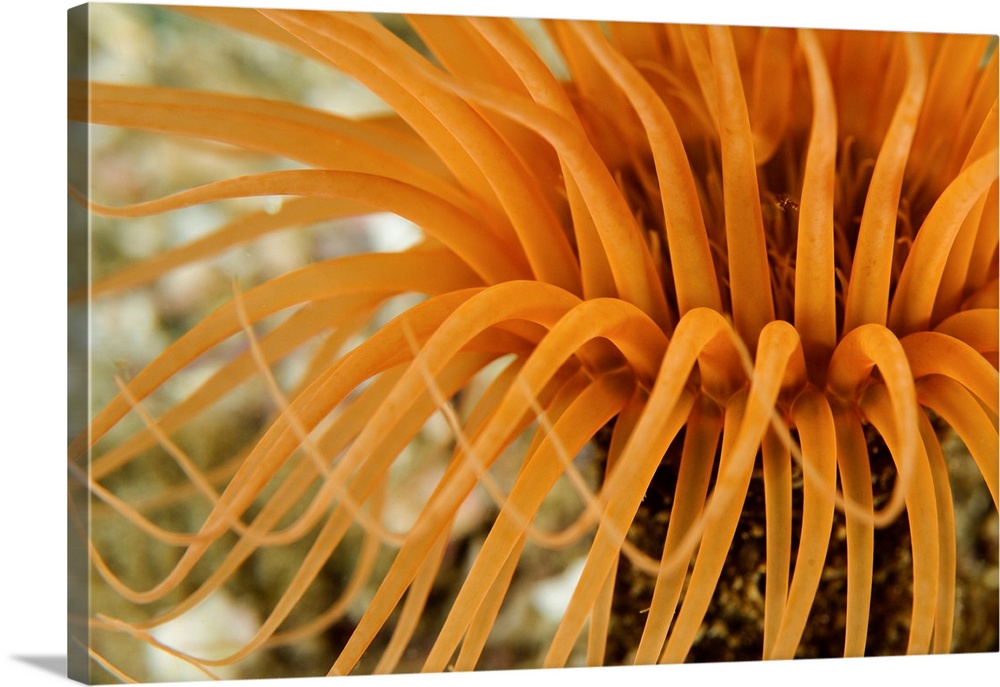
point(681, 299)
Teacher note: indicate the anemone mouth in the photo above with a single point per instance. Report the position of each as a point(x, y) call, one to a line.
point(780, 180)
point(719, 254)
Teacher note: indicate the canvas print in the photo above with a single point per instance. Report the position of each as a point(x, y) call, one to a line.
point(462, 343)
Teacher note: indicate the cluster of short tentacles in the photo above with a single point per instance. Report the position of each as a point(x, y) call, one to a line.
point(774, 240)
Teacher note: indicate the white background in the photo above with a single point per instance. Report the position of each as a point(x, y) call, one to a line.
point(32, 332)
